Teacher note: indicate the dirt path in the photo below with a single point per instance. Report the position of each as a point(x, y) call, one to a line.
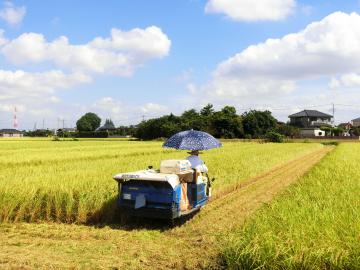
point(193, 245)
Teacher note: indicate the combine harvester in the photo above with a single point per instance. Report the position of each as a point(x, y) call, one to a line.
point(175, 190)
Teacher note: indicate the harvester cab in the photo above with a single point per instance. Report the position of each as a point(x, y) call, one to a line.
point(171, 192)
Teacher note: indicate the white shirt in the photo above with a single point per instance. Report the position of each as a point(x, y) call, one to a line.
point(197, 163)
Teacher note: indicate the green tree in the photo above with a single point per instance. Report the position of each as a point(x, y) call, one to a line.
point(126, 130)
point(327, 130)
point(275, 137)
point(355, 131)
point(191, 119)
point(258, 123)
point(226, 124)
point(39, 133)
point(206, 115)
point(164, 126)
point(337, 131)
point(208, 110)
point(88, 122)
point(287, 130)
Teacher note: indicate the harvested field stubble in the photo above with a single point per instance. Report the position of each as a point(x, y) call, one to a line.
point(314, 225)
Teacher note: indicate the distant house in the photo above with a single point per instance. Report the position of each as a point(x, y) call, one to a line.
point(11, 133)
point(356, 122)
point(346, 127)
point(71, 130)
point(108, 126)
point(62, 131)
point(310, 121)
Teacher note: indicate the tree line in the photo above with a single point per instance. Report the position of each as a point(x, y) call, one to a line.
point(224, 123)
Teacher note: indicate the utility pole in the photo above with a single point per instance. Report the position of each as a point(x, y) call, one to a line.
point(333, 114)
point(143, 118)
point(43, 127)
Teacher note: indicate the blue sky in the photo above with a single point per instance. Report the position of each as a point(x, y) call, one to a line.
point(180, 62)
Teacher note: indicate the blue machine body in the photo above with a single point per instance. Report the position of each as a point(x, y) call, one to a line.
point(158, 199)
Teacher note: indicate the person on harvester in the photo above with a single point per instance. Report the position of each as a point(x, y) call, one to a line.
point(196, 162)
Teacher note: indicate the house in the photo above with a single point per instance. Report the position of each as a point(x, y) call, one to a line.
point(63, 131)
point(356, 122)
point(10, 133)
point(312, 132)
point(70, 130)
point(346, 127)
point(310, 121)
point(108, 126)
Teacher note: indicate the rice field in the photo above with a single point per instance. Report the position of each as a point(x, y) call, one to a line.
point(314, 225)
point(71, 181)
point(62, 198)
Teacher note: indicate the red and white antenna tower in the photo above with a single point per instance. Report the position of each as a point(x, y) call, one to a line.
point(16, 124)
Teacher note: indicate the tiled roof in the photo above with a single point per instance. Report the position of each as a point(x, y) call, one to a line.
point(310, 113)
point(106, 126)
point(9, 130)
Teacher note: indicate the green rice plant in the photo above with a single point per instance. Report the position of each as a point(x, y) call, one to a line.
point(71, 181)
point(314, 225)
point(331, 143)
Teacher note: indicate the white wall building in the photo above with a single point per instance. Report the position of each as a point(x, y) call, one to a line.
point(10, 133)
point(311, 132)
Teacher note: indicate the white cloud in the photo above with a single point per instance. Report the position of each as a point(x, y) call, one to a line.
point(144, 43)
point(54, 99)
point(10, 108)
point(185, 76)
point(11, 14)
point(108, 104)
point(41, 112)
point(123, 113)
point(345, 81)
point(191, 88)
point(249, 88)
point(120, 54)
point(153, 108)
point(250, 10)
point(327, 48)
point(322, 48)
point(21, 85)
point(3, 40)
point(307, 9)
